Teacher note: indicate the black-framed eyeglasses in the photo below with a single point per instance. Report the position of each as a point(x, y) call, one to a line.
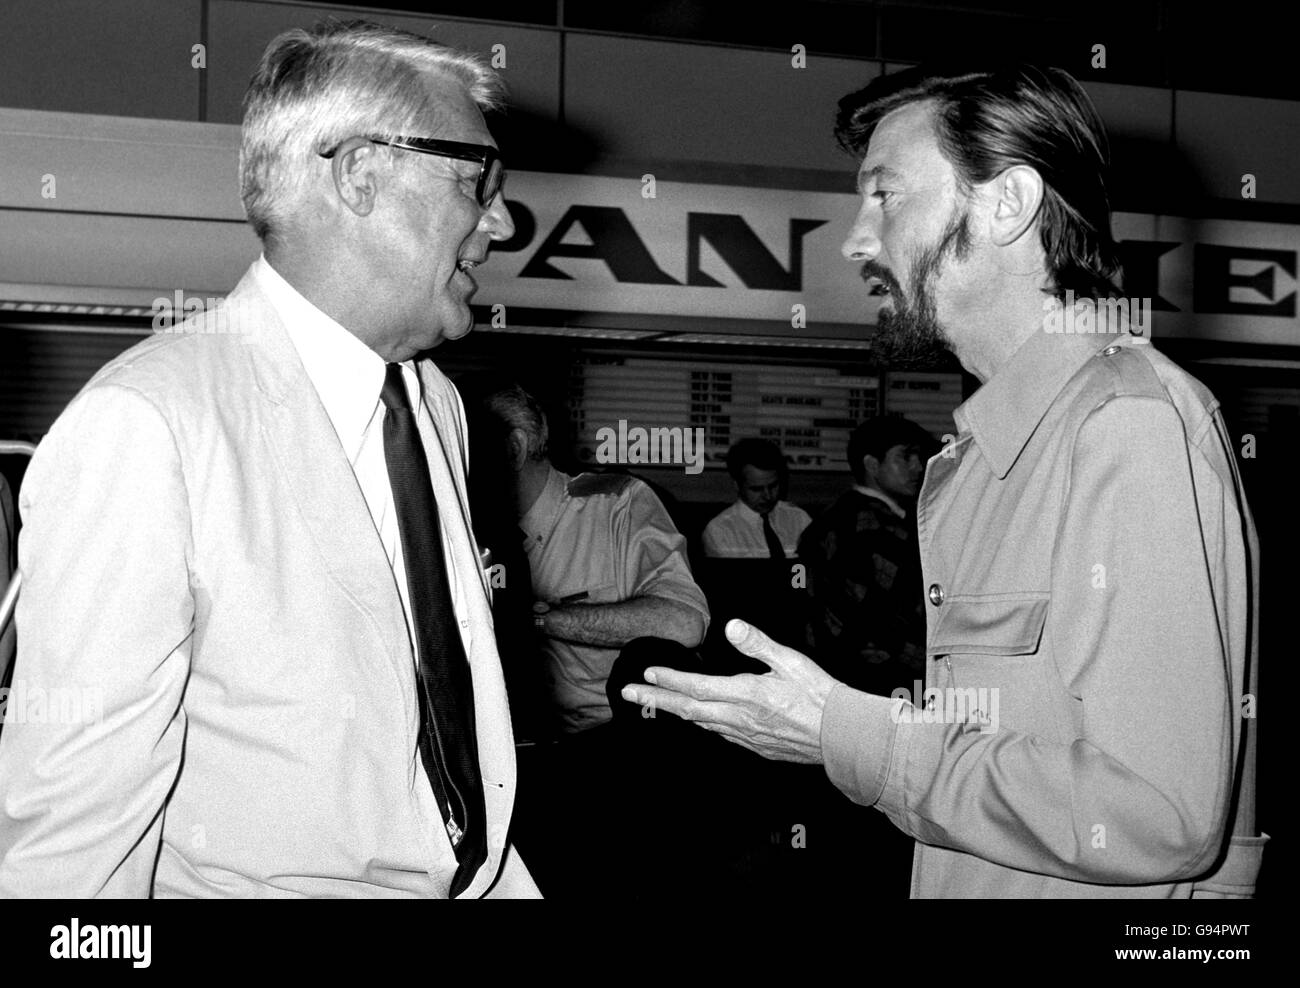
point(491, 172)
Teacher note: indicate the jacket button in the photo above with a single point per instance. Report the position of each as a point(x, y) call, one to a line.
point(1111, 350)
point(936, 594)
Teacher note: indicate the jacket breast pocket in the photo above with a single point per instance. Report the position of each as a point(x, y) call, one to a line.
point(996, 624)
point(993, 659)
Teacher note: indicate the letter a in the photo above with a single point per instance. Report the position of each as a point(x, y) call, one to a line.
point(59, 946)
point(607, 451)
point(1052, 316)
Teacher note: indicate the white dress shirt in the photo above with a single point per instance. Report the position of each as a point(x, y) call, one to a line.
point(737, 532)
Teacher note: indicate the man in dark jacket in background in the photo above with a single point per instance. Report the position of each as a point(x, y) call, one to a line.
point(867, 621)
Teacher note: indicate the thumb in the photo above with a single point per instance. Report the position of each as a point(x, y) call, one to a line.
point(748, 640)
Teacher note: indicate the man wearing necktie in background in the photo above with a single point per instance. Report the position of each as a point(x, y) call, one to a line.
point(759, 525)
point(251, 535)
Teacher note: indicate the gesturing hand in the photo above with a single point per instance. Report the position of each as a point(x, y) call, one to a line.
point(777, 715)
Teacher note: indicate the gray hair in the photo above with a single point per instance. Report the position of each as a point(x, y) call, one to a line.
point(315, 88)
point(515, 408)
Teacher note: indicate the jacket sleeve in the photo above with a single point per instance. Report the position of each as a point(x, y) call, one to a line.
point(96, 730)
point(1141, 796)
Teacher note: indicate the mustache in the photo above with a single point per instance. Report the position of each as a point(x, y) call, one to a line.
point(871, 269)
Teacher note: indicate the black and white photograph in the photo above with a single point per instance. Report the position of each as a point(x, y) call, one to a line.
point(655, 456)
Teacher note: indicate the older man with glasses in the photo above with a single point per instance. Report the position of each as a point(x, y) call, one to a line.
point(251, 536)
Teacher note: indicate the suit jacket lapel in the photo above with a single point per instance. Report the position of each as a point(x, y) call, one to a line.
point(443, 415)
point(316, 472)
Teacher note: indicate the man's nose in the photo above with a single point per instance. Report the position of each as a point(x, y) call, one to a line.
point(862, 243)
point(496, 219)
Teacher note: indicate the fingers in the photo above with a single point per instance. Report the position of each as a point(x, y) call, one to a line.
point(689, 695)
point(697, 685)
point(704, 713)
point(748, 640)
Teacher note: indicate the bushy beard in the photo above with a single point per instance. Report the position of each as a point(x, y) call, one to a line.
point(908, 334)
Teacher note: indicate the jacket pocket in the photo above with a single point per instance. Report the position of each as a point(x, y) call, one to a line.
point(992, 648)
point(996, 624)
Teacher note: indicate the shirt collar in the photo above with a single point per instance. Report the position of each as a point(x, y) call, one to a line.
point(536, 522)
point(346, 374)
point(882, 496)
point(1006, 410)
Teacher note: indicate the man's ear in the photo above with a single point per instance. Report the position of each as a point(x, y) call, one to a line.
point(517, 445)
point(870, 467)
point(354, 169)
point(1017, 196)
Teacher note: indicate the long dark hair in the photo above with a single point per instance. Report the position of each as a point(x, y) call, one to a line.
point(991, 119)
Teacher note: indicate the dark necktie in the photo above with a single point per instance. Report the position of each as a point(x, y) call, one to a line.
point(773, 543)
point(444, 689)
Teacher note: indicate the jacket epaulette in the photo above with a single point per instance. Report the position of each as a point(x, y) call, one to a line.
point(592, 484)
point(1131, 370)
point(1119, 370)
point(1141, 371)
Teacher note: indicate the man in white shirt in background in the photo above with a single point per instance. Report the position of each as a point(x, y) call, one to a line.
point(759, 525)
point(607, 565)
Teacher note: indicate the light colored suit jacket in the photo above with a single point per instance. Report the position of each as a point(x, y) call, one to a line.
point(202, 572)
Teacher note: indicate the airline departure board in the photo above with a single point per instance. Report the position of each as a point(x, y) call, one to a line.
point(806, 411)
